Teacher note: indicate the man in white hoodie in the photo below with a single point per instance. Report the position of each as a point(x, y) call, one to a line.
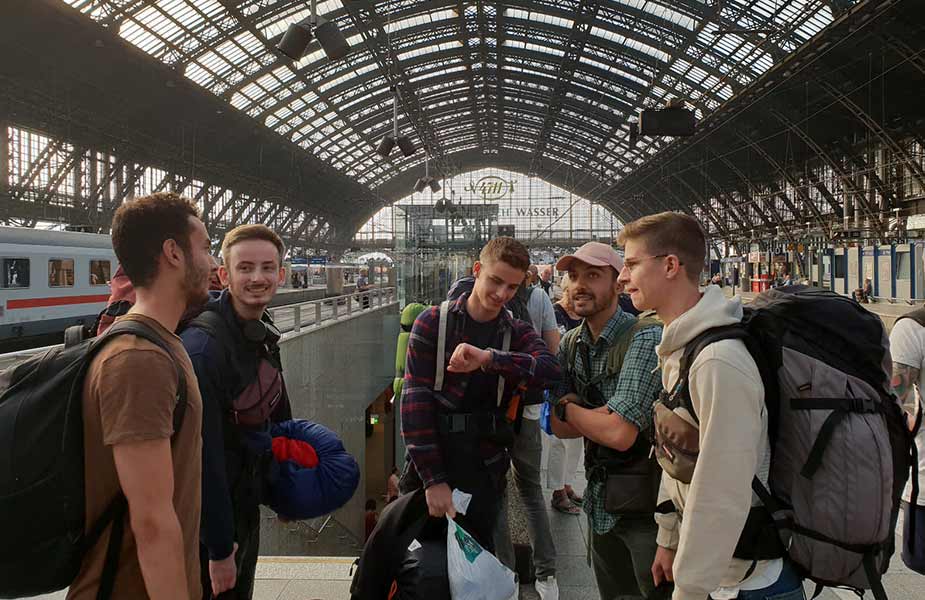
point(664, 256)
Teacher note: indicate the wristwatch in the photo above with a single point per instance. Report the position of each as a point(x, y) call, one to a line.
point(559, 409)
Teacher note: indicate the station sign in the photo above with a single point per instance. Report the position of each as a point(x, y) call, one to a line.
point(318, 260)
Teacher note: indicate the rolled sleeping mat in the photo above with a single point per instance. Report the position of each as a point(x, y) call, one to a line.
point(316, 473)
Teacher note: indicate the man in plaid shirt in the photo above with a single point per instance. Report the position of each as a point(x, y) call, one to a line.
point(458, 437)
point(611, 411)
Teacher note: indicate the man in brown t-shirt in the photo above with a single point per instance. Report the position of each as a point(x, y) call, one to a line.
point(129, 398)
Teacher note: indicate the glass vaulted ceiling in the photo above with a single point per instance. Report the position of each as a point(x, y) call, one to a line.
point(483, 73)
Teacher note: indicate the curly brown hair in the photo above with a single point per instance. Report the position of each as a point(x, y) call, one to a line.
point(141, 226)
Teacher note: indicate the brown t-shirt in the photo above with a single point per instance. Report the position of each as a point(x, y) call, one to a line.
point(129, 396)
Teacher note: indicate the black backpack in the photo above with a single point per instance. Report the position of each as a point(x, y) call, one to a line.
point(42, 496)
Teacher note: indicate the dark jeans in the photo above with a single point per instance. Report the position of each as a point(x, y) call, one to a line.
point(525, 458)
point(248, 540)
point(789, 586)
point(622, 560)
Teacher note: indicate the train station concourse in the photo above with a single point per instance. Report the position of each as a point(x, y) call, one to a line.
point(386, 143)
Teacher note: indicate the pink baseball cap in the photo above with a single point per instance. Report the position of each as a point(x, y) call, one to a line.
point(595, 254)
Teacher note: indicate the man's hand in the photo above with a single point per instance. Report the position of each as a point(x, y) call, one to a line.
point(467, 358)
point(570, 397)
point(661, 566)
point(223, 573)
point(440, 501)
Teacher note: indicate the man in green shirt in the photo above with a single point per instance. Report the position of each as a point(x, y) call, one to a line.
point(610, 380)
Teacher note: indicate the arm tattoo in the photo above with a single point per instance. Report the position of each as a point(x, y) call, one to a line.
point(903, 384)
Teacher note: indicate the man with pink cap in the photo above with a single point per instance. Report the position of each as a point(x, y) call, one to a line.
point(610, 380)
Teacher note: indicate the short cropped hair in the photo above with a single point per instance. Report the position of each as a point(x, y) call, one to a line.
point(253, 231)
point(670, 233)
point(507, 250)
point(141, 226)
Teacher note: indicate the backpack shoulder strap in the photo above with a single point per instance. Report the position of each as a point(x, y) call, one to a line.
point(917, 315)
point(693, 348)
point(441, 345)
point(618, 351)
point(505, 347)
point(141, 330)
point(570, 342)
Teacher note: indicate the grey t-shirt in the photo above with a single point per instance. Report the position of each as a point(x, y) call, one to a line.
point(542, 314)
point(543, 318)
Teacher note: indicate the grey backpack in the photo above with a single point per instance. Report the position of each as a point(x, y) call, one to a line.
point(840, 449)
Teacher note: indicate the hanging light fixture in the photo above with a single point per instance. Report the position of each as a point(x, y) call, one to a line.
point(298, 36)
point(388, 142)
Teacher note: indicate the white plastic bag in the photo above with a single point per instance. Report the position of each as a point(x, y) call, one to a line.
point(474, 573)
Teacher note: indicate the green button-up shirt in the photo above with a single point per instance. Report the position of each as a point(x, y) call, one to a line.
point(630, 394)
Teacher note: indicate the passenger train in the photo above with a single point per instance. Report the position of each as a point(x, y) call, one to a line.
point(50, 280)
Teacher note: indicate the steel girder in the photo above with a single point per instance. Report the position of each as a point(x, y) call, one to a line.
point(877, 129)
point(584, 15)
point(823, 154)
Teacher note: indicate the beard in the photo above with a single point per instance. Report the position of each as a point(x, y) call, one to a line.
point(196, 285)
point(591, 304)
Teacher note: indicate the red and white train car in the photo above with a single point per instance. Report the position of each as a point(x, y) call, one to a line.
point(50, 280)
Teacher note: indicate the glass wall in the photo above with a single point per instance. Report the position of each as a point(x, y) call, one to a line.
point(534, 208)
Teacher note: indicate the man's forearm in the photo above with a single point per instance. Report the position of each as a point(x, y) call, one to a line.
point(601, 426)
point(161, 555)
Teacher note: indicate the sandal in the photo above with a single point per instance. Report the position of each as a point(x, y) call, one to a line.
point(575, 498)
point(562, 504)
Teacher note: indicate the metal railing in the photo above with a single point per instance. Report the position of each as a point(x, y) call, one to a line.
point(294, 317)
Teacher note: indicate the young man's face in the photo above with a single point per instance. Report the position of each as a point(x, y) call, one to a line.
point(252, 272)
point(198, 264)
point(496, 282)
point(643, 276)
point(592, 289)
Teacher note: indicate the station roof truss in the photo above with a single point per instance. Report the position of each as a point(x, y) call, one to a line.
point(548, 87)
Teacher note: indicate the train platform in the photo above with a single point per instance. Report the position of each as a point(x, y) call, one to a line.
point(886, 310)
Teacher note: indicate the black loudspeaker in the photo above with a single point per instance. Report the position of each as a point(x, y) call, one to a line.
point(505, 231)
point(295, 41)
point(332, 41)
point(405, 145)
point(667, 121)
point(385, 146)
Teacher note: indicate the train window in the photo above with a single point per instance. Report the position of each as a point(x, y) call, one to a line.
point(15, 273)
point(61, 272)
point(99, 272)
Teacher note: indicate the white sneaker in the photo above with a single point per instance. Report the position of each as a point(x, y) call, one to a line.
point(548, 589)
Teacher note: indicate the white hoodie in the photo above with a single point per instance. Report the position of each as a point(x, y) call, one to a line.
point(728, 397)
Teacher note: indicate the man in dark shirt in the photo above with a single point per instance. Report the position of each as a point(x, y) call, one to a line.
point(458, 437)
point(226, 352)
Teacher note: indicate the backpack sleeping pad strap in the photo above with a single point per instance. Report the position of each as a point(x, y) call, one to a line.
point(441, 345)
point(441, 350)
point(117, 509)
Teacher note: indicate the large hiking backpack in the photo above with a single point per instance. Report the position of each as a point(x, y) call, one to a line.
point(408, 315)
point(840, 448)
point(42, 495)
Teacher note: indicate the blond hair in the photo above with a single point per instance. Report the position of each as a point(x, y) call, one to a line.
point(252, 231)
point(507, 250)
point(670, 233)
